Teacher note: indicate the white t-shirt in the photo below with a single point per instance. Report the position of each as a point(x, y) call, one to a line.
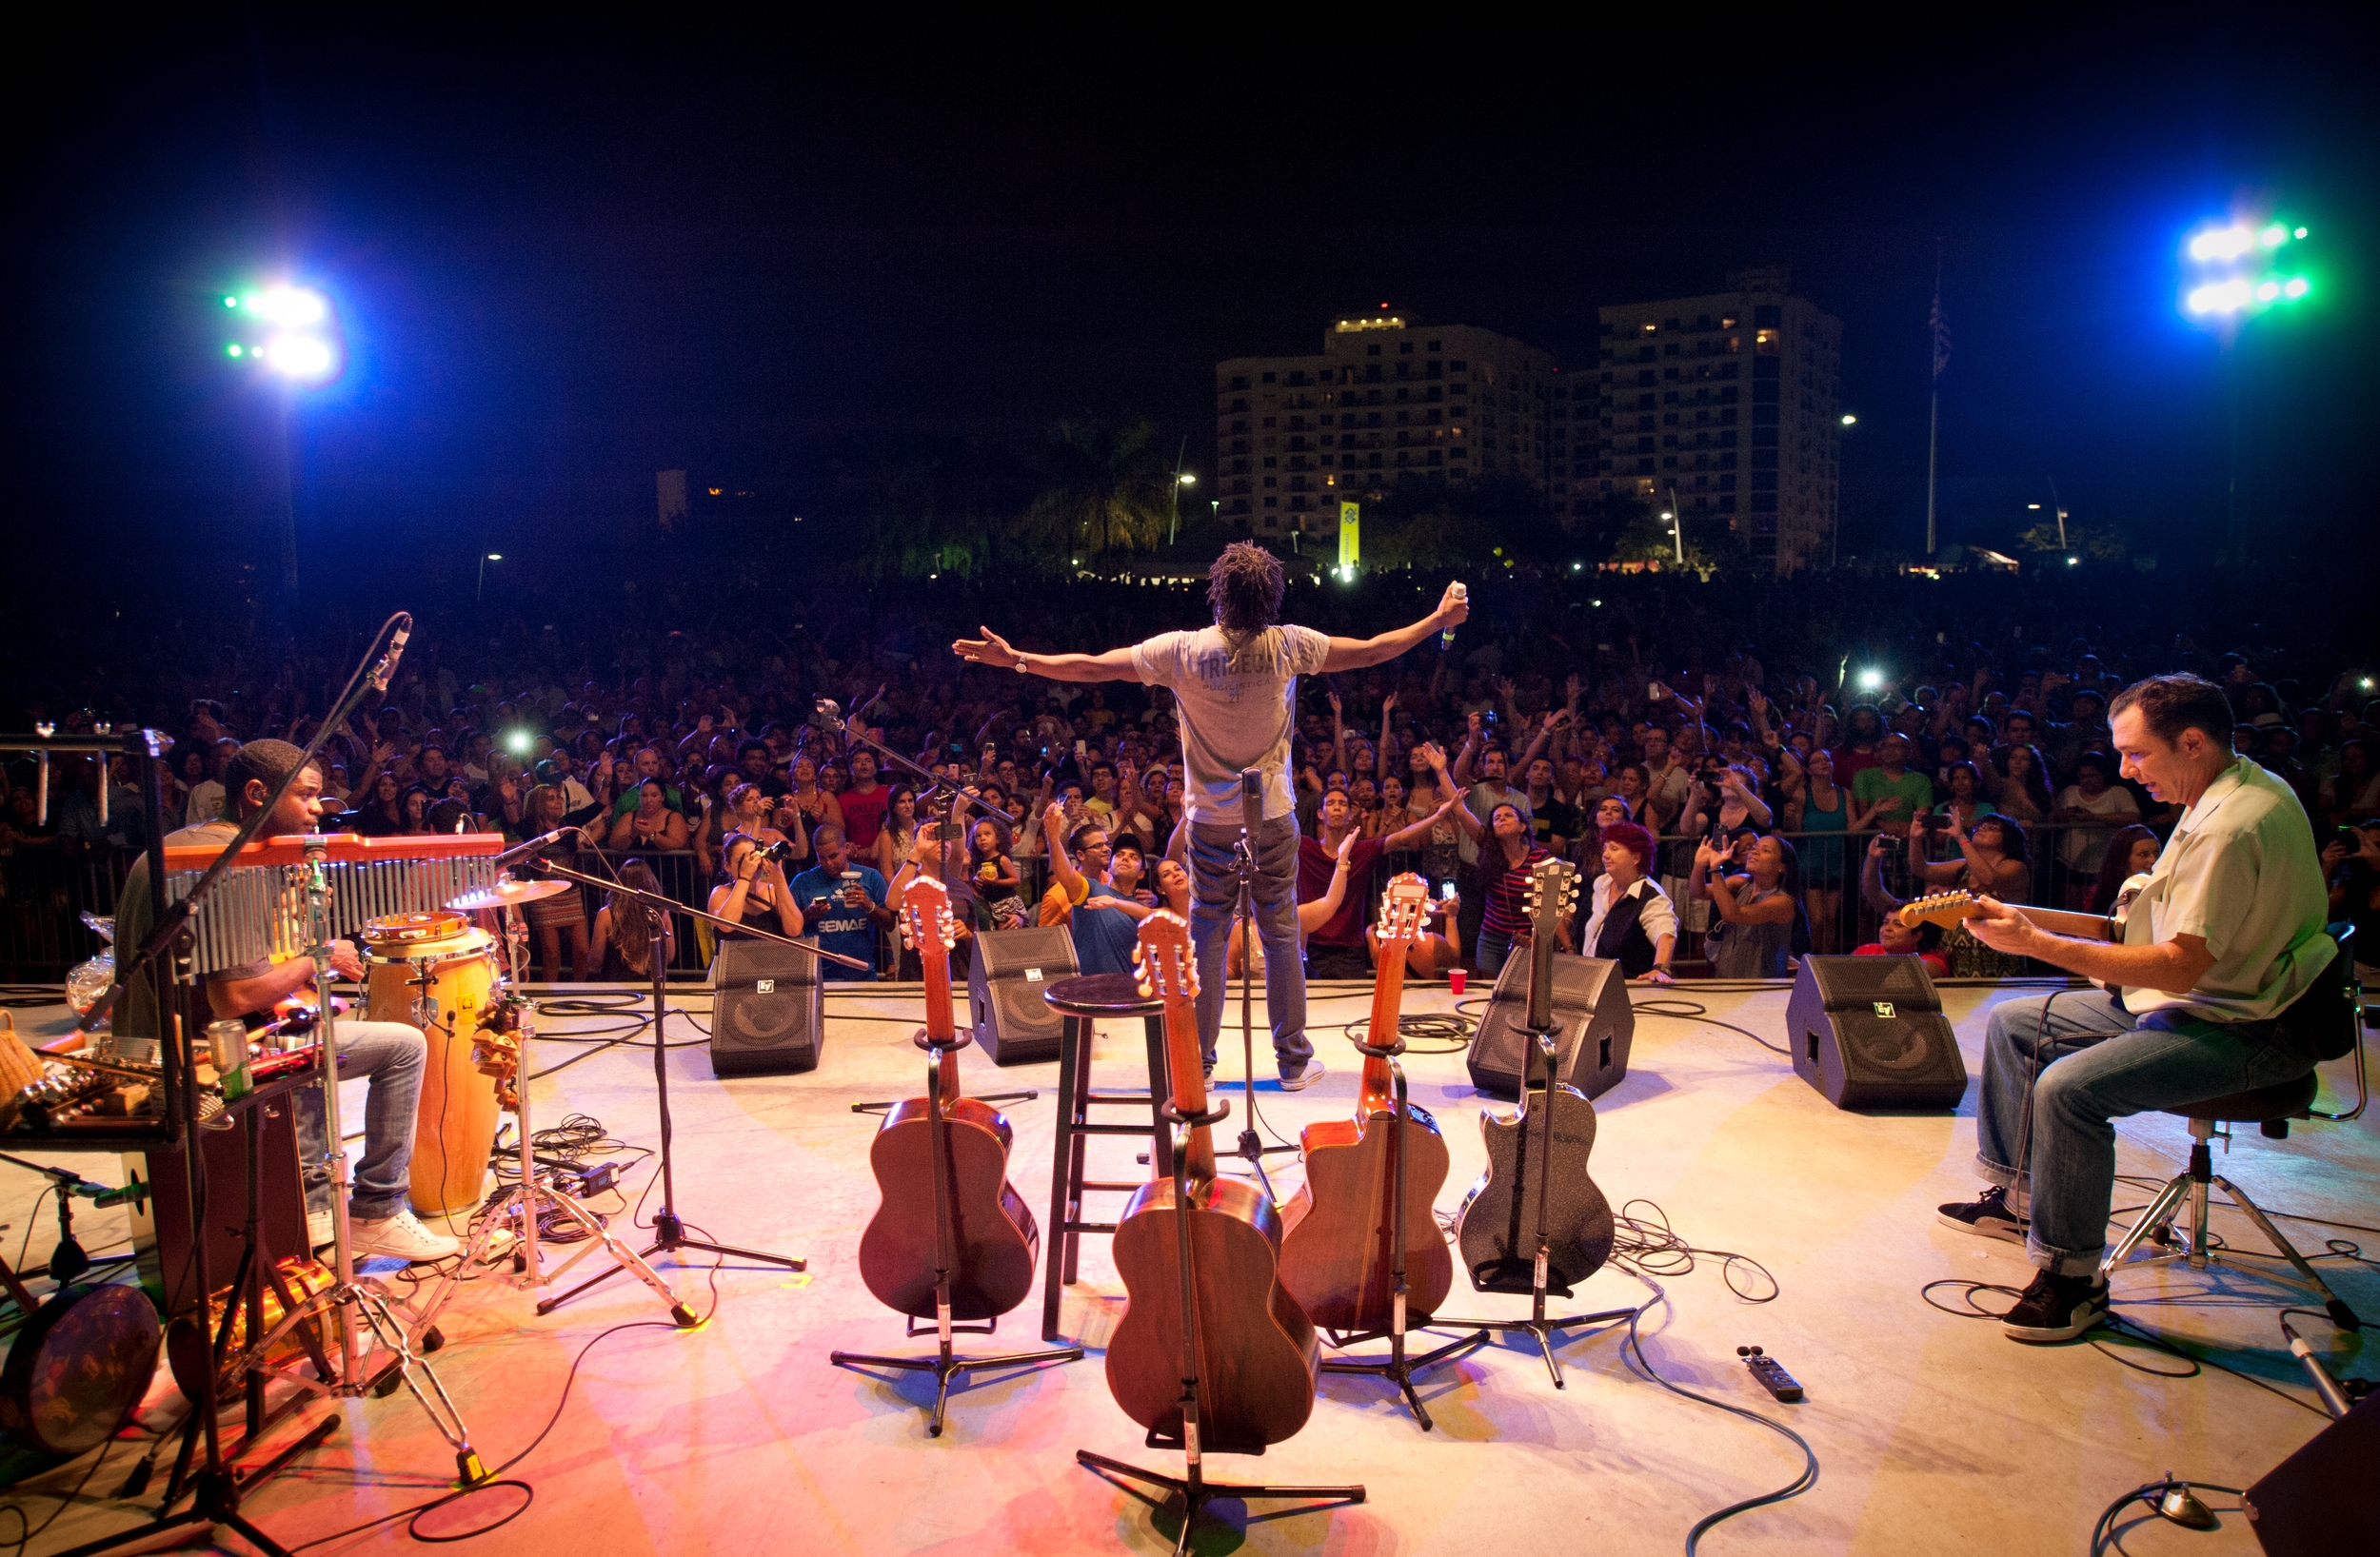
point(1237, 711)
point(2240, 871)
point(204, 805)
point(2083, 847)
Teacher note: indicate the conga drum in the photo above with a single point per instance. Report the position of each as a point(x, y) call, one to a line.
point(434, 972)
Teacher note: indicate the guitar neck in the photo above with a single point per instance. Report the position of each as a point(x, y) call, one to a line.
point(1378, 1092)
point(1181, 1057)
point(2059, 922)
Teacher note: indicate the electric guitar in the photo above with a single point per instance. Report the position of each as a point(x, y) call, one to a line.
point(1255, 1353)
point(1530, 1183)
point(1339, 1228)
point(994, 1239)
point(1952, 908)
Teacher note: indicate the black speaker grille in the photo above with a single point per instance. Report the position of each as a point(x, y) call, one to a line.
point(1849, 981)
point(1909, 1048)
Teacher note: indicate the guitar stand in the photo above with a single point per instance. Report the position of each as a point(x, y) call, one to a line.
point(1193, 1487)
point(1398, 1366)
point(1541, 1327)
point(944, 1364)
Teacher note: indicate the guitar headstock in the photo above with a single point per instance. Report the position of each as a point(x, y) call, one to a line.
point(1163, 959)
point(1942, 908)
point(925, 921)
point(1551, 893)
point(1403, 909)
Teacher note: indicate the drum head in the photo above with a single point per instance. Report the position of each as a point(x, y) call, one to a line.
point(78, 1367)
point(400, 929)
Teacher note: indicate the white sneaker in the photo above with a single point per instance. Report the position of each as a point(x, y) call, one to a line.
point(318, 1229)
point(1313, 1072)
point(403, 1238)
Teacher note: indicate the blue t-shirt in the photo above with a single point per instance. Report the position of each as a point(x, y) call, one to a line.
point(817, 894)
point(1103, 934)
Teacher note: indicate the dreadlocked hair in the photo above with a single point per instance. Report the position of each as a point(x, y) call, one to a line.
point(1245, 587)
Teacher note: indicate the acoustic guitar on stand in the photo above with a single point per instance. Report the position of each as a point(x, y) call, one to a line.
point(995, 1238)
point(1256, 1348)
point(1335, 1257)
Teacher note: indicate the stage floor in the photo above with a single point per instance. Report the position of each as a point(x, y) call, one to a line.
point(1935, 1433)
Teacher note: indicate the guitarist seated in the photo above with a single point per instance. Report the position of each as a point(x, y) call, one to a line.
point(2225, 936)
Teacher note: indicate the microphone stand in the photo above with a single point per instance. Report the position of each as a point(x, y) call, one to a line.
point(669, 1234)
point(1251, 1147)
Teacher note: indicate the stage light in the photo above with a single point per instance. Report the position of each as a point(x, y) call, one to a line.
point(1870, 680)
point(1850, 420)
point(305, 358)
point(2301, 232)
point(2275, 235)
point(290, 306)
point(518, 740)
point(2222, 242)
point(234, 348)
point(2366, 683)
point(1578, 567)
point(2220, 297)
point(231, 302)
point(2269, 292)
point(2295, 289)
point(2072, 561)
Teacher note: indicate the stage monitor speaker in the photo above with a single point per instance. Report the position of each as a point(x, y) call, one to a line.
point(161, 1225)
point(1868, 1032)
point(2318, 1502)
point(1013, 1024)
point(1591, 1008)
point(768, 1011)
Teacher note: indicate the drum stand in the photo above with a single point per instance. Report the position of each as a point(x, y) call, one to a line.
point(1538, 1325)
point(1398, 1366)
point(530, 1201)
point(1191, 1487)
point(943, 1365)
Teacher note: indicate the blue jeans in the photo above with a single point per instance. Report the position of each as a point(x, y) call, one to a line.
point(1214, 895)
point(2096, 1063)
point(393, 1056)
point(1488, 954)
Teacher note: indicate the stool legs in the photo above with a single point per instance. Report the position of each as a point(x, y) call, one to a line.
point(1161, 1093)
point(1066, 1170)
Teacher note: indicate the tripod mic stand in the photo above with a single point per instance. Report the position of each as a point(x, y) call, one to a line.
point(669, 1234)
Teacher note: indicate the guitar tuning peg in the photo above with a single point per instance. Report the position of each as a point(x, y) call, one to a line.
point(1144, 985)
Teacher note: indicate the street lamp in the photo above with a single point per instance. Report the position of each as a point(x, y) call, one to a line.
point(485, 557)
point(1676, 525)
point(1850, 420)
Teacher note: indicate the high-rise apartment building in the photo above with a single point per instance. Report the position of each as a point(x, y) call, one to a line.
point(1385, 398)
point(1731, 404)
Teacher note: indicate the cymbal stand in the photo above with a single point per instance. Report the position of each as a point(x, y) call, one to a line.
point(528, 1201)
point(350, 1299)
point(1398, 1366)
point(1539, 1326)
point(943, 1365)
point(1191, 1487)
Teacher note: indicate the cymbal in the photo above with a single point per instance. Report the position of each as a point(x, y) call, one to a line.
point(506, 893)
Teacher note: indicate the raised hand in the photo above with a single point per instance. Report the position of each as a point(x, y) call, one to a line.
point(1333, 695)
point(1755, 704)
point(1388, 705)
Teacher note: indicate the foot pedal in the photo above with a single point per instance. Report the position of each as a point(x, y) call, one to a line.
point(469, 1471)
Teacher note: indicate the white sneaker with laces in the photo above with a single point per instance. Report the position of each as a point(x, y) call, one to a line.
point(403, 1238)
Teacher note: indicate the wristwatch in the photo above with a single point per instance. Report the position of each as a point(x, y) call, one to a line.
point(1018, 666)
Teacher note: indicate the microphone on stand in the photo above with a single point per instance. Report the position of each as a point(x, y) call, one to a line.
point(536, 845)
point(387, 669)
point(1251, 801)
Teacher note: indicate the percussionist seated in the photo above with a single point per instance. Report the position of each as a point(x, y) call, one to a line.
point(391, 1054)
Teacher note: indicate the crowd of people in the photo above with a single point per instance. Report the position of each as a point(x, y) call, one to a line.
point(1775, 796)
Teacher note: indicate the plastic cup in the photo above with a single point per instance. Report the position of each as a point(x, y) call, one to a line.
point(1456, 977)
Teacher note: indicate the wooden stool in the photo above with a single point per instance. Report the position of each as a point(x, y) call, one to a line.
point(1082, 1002)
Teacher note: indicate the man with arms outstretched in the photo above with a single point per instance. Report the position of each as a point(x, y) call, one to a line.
point(1234, 685)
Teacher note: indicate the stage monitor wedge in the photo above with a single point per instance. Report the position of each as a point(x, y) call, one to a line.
point(1011, 968)
point(1591, 1008)
point(1868, 1032)
point(768, 1011)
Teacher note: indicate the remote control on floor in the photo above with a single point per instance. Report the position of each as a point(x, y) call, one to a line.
point(1771, 1375)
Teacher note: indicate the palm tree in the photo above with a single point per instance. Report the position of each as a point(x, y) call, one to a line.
point(1108, 489)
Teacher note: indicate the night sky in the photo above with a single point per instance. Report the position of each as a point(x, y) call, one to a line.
point(568, 259)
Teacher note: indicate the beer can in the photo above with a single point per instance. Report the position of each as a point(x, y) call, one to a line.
point(227, 1041)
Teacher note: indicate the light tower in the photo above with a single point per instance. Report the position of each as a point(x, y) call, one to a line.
point(2232, 273)
point(289, 335)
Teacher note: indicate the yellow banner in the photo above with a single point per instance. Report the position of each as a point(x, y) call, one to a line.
point(1349, 545)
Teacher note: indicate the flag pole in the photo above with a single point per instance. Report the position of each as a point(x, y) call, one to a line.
point(1937, 339)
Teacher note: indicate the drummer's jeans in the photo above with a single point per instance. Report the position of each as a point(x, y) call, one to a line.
point(392, 1055)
